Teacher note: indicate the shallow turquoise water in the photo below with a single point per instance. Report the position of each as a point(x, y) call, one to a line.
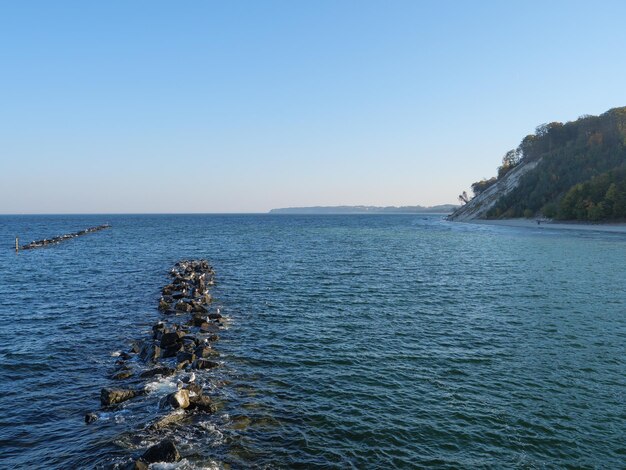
point(366, 341)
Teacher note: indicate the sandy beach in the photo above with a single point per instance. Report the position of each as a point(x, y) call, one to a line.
point(549, 225)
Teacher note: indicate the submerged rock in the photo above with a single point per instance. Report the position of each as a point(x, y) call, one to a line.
point(91, 418)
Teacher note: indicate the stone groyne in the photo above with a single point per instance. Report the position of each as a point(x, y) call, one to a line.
point(59, 239)
point(178, 352)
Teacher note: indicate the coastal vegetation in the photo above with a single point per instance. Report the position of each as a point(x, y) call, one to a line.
point(580, 171)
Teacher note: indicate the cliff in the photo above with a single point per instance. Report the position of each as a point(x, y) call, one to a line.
point(567, 171)
point(479, 206)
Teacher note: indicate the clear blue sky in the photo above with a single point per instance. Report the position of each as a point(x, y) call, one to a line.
point(149, 106)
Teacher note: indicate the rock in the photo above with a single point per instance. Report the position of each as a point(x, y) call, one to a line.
point(182, 365)
point(209, 328)
point(91, 418)
point(167, 420)
point(124, 374)
point(197, 320)
point(205, 351)
point(214, 316)
point(179, 399)
point(125, 356)
point(183, 306)
point(111, 396)
point(204, 364)
point(135, 347)
point(198, 308)
point(185, 356)
point(190, 343)
point(193, 388)
point(164, 371)
point(202, 403)
point(172, 351)
point(168, 340)
point(150, 352)
point(164, 451)
point(163, 305)
point(137, 465)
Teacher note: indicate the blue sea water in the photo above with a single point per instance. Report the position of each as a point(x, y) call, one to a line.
point(360, 341)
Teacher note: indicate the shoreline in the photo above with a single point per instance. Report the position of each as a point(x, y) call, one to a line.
point(618, 227)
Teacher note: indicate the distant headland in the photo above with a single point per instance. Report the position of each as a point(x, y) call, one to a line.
point(573, 171)
point(440, 209)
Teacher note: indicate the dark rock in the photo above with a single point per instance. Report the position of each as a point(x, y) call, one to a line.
point(163, 305)
point(182, 365)
point(183, 306)
point(205, 351)
point(164, 451)
point(164, 371)
point(209, 328)
point(214, 316)
point(185, 356)
point(195, 388)
point(190, 342)
point(121, 375)
point(91, 418)
point(137, 465)
point(198, 308)
point(111, 396)
point(172, 351)
point(170, 339)
point(150, 352)
point(204, 364)
point(167, 420)
point(198, 320)
point(202, 403)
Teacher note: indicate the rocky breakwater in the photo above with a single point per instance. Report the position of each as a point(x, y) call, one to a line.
point(169, 371)
point(62, 238)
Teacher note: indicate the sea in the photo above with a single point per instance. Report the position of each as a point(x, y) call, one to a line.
point(351, 342)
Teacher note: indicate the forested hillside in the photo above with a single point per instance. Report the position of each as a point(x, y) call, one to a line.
point(580, 172)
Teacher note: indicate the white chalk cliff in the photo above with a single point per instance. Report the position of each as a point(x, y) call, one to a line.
point(478, 207)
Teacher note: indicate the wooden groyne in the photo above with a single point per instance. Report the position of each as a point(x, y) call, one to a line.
point(59, 239)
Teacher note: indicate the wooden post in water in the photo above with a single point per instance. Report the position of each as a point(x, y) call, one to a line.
point(17, 244)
